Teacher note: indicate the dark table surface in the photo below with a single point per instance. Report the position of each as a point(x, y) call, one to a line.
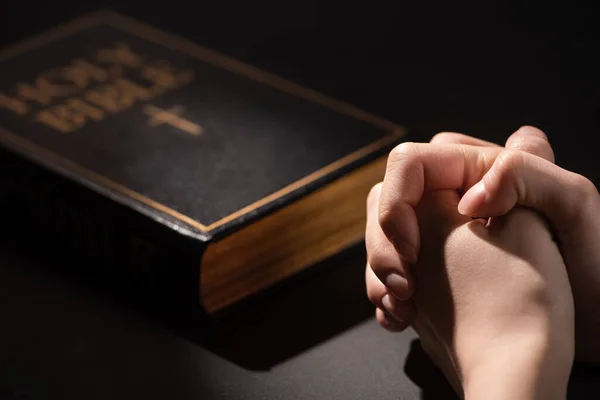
point(432, 67)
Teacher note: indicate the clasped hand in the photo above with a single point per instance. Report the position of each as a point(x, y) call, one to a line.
point(508, 300)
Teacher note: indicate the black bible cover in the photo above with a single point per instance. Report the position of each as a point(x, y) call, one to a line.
point(140, 149)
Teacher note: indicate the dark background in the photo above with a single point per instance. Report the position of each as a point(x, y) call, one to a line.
point(480, 69)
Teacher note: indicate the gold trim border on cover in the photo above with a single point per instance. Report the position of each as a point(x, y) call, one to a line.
point(185, 46)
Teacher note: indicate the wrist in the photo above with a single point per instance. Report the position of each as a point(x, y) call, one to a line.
point(524, 368)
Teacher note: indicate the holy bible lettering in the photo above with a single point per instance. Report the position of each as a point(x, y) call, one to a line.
point(112, 80)
point(106, 161)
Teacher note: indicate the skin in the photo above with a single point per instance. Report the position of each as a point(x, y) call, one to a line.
point(494, 181)
point(495, 332)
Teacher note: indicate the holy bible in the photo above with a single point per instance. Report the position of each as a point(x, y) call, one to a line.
point(149, 163)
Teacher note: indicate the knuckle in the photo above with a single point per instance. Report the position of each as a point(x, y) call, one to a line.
point(508, 170)
point(536, 146)
point(532, 131)
point(375, 293)
point(534, 142)
point(379, 262)
point(508, 164)
point(374, 193)
point(583, 193)
point(445, 137)
point(374, 288)
point(404, 152)
point(509, 160)
point(372, 294)
point(387, 220)
point(585, 187)
point(584, 184)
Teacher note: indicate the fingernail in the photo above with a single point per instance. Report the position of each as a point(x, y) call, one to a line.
point(388, 306)
point(398, 285)
point(392, 324)
point(389, 309)
point(473, 199)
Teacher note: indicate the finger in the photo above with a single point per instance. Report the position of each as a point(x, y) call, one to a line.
point(517, 177)
point(375, 289)
point(531, 140)
point(382, 257)
point(459, 138)
point(414, 168)
point(388, 322)
point(378, 294)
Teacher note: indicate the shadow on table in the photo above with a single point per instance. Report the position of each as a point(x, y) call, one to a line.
point(61, 338)
point(422, 371)
point(263, 331)
point(295, 316)
point(584, 382)
point(59, 341)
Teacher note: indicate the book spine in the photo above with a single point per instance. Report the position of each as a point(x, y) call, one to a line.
point(97, 241)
